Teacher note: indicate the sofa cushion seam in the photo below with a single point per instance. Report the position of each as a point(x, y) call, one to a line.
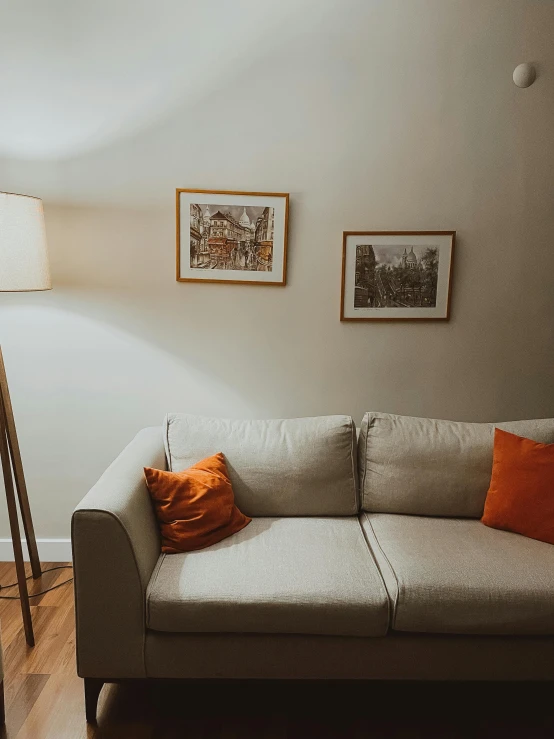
point(387, 560)
point(362, 489)
point(381, 578)
point(166, 443)
point(353, 463)
point(151, 585)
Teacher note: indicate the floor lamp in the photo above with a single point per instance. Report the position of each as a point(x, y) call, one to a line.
point(23, 268)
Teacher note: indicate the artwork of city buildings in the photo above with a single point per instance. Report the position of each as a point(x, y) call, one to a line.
point(231, 237)
point(396, 276)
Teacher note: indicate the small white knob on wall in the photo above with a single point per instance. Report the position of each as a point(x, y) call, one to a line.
point(524, 75)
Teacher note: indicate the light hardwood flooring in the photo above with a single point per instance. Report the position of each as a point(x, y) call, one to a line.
point(44, 697)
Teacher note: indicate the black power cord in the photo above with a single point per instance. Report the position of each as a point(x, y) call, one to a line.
point(42, 592)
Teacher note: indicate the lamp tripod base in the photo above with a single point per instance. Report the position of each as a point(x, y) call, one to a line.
point(12, 468)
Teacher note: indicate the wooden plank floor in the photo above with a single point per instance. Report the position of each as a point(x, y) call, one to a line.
point(44, 697)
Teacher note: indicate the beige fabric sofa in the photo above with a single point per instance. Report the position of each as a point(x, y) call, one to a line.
point(366, 559)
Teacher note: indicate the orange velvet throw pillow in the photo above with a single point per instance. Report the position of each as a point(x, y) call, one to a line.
point(196, 507)
point(521, 493)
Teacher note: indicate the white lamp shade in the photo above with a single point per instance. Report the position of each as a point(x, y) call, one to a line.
point(23, 250)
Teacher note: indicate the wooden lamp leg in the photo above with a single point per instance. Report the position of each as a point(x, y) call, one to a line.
point(14, 528)
point(17, 464)
point(12, 466)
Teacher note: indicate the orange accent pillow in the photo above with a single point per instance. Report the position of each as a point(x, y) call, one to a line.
point(521, 493)
point(196, 507)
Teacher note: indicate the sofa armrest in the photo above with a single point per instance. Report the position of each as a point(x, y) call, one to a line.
point(116, 544)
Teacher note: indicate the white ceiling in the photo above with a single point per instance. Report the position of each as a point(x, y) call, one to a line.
point(77, 73)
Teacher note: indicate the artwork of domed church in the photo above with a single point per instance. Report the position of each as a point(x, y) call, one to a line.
point(409, 260)
point(229, 237)
point(396, 276)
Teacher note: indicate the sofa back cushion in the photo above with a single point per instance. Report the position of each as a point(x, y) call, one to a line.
point(292, 467)
point(427, 467)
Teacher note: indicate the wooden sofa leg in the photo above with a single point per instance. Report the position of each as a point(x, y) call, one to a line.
point(2, 707)
point(93, 686)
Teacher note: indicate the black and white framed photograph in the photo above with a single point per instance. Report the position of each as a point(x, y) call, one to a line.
point(237, 237)
point(400, 275)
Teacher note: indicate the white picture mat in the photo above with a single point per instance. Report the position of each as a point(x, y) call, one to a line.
point(444, 244)
point(259, 201)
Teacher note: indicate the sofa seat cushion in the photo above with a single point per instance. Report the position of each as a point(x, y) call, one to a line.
point(278, 575)
point(458, 576)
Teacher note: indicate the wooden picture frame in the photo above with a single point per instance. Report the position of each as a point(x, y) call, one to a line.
point(216, 243)
point(397, 275)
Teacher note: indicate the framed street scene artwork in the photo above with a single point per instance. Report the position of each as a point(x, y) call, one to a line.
point(225, 236)
point(396, 275)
